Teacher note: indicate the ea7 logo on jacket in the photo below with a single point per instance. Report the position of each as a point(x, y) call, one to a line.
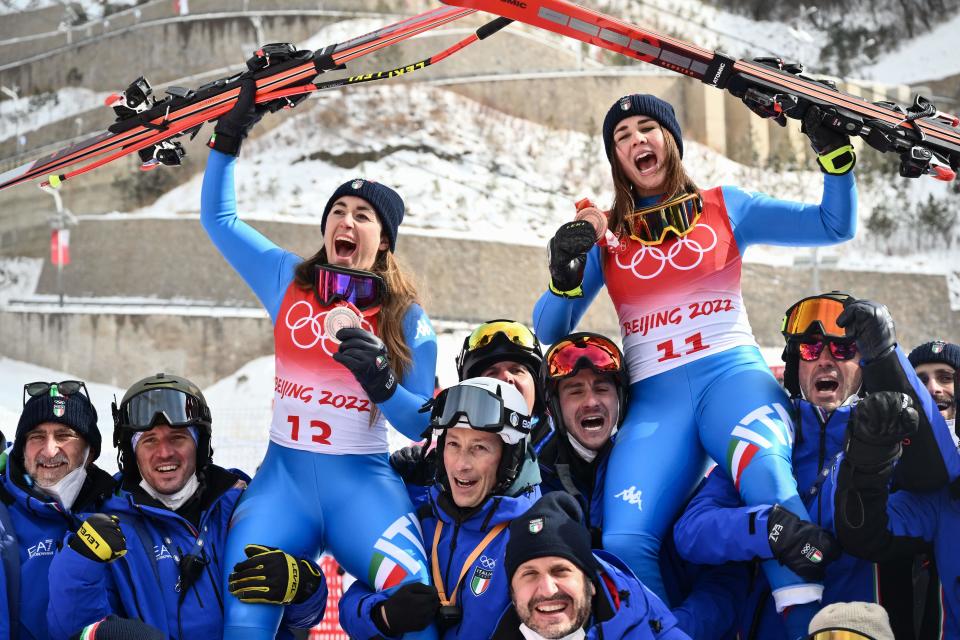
point(161, 553)
point(42, 548)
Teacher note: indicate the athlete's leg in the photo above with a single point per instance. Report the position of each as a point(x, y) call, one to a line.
point(746, 427)
point(280, 509)
point(372, 529)
point(655, 465)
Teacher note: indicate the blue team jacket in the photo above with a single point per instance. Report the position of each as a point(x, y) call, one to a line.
point(144, 583)
point(39, 526)
point(484, 592)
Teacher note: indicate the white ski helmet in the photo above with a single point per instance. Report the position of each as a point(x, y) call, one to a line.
point(485, 404)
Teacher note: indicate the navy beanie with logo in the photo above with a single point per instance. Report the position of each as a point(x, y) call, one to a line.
point(552, 527)
point(936, 351)
point(641, 104)
point(74, 411)
point(386, 202)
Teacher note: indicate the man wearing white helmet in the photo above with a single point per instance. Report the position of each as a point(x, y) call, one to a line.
point(484, 480)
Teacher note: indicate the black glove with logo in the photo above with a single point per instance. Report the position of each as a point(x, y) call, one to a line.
point(876, 429)
point(872, 326)
point(413, 466)
point(835, 154)
point(366, 357)
point(412, 607)
point(270, 576)
point(567, 255)
point(234, 126)
point(99, 538)
point(801, 546)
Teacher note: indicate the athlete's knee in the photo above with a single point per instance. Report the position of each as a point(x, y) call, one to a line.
point(632, 545)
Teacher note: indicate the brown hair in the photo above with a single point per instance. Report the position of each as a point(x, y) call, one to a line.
point(676, 183)
point(400, 294)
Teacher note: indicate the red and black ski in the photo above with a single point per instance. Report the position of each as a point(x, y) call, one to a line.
point(927, 140)
point(184, 111)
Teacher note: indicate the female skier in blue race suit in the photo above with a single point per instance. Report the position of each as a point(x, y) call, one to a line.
point(325, 483)
point(671, 261)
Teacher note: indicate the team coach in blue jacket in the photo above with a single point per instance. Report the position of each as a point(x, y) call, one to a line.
point(155, 552)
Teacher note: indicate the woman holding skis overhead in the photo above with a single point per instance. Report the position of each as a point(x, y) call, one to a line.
point(699, 385)
point(353, 350)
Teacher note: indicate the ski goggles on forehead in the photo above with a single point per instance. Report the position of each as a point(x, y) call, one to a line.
point(567, 356)
point(362, 289)
point(144, 410)
point(515, 332)
point(64, 388)
point(482, 409)
point(839, 349)
point(650, 226)
point(817, 314)
point(839, 634)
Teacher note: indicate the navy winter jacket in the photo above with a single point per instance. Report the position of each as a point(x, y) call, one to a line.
point(39, 526)
point(145, 583)
point(484, 592)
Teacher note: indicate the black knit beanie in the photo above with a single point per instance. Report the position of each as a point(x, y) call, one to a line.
point(936, 351)
point(114, 628)
point(386, 202)
point(641, 104)
point(552, 527)
point(74, 410)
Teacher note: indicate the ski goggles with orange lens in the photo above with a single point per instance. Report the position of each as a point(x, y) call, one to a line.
point(839, 634)
point(362, 289)
point(515, 332)
point(817, 314)
point(650, 226)
point(839, 349)
point(569, 355)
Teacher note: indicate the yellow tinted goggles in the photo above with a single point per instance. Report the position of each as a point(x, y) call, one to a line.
point(650, 226)
point(515, 332)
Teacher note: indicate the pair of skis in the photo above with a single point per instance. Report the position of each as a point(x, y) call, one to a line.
point(283, 75)
point(926, 140)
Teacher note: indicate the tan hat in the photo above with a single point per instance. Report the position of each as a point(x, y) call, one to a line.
point(867, 618)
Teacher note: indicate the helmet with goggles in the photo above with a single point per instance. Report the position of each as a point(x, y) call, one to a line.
point(490, 405)
point(571, 354)
point(498, 341)
point(162, 399)
point(815, 316)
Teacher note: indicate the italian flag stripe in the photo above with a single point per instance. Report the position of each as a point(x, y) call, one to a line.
point(384, 573)
point(742, 457)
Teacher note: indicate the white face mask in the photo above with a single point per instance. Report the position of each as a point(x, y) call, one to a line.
point(176, 500)
point(68, 488)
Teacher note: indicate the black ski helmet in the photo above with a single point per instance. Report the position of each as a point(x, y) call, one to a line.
point(195, 407)
point(513, 431)
point(551, 383)
point(500, 347)
point(794, 335)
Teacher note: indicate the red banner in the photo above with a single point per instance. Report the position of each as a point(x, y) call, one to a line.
point(60, 247)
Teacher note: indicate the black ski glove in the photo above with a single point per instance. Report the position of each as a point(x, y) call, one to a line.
point(567, 256)
point(412, 607)
point(233, 126)
point(835, 154)
point(413, 467)
point(876, 429)
point(99, 538)
point(871, 324)
point(801, 546)
point(366, 357)
point(270, 576)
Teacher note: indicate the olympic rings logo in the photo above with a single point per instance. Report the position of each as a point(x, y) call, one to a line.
point(487, 563)
point(306, 330)
point(640, 263)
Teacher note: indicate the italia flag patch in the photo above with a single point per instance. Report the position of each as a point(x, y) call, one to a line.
point(480, 581)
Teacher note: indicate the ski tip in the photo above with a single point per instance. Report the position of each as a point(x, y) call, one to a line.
point(940, 172)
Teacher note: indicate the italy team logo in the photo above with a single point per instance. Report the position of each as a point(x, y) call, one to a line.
point(394, 554)
point(480, 581)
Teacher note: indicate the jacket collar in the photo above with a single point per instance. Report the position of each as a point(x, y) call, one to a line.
point(494, 510)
